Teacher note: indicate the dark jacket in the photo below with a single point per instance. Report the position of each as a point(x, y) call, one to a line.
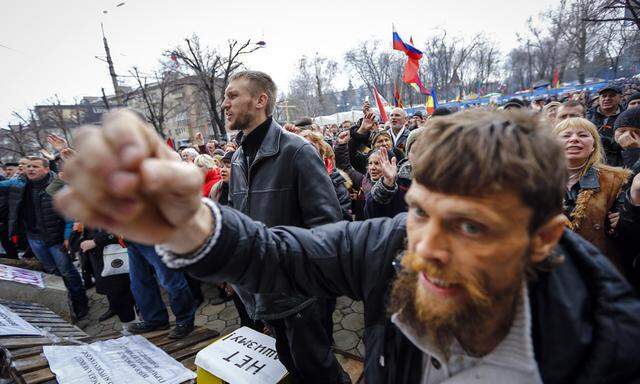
point(361, 182)
point(51, 225)
point(605, 128)
point(339, 180)
point(109, 285)
point(585, 318)
point(287, 184)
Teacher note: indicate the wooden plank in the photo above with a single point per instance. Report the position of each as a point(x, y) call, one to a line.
point(17, 303)
point(190, 363)
point(39, 376)
point(32, 264)
point(200, 334)
point(191, 350)
point(52, 320)
point(23, 342)
point(30, 364)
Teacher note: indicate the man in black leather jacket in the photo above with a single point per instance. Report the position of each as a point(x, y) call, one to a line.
point(279, 179)
point(478, 282)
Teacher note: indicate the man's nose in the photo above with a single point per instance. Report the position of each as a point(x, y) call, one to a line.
point(432, 243)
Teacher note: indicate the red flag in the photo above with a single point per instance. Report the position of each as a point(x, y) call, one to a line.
point(170, 143)
point(380, 104)
point(396, 96)
point(556, 81)
point(410, 74)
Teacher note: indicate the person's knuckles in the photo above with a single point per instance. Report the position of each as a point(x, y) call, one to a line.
point(72, 206)
point(97, 157)
point(124, 131)
point(170, 176)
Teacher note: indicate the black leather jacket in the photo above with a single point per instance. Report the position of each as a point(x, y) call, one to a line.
point(287, 184)
point(585, 317)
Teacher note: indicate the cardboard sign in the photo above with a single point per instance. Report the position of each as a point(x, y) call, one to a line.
point(127, 360)
point(21, 275)
point(243, 357)
point(13, 325)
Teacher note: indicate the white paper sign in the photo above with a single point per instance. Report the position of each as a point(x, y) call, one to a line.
point(127, 360)
point(21, 275)
point(13, 325)
point(243, 357)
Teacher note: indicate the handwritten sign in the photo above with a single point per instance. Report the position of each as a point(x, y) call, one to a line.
point(13, 325)
point(127, 360)
point(21, 275)
point(242, 357)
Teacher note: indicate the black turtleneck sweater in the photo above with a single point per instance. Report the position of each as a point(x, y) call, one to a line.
point(252, 142)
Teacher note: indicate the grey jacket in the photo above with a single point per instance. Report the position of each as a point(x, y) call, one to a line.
point(287, 184)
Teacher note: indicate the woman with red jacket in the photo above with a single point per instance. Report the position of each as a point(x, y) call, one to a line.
point(211, 171)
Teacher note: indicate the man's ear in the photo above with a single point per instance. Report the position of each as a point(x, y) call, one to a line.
point(263, 99)
point(546, 238)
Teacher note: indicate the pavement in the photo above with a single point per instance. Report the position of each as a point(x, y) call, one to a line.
point(348, 319)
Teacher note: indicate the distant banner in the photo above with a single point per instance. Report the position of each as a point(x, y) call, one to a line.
point(21, 275)
point(127, 360)
point(243, 357)
point(13, 325)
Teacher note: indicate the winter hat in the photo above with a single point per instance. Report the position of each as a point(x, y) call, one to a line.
point(628, 118)
point(514, 103)
point(413, 136)
point(634, 96)
point(378, 134)
point(441, 111)
point(303, 122)
point(227, 156)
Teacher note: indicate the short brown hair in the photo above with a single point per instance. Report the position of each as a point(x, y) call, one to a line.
point(477, 153)
point(43, 161)
point(260, 82)
point(573, 103)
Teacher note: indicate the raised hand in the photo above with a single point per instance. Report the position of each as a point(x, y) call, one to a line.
point(58, 143)
point(47, 155)
point(199, 139)
point(389, 168)
point(367, 123)
point(126, 180)
point(343, 137)
point(67, 153)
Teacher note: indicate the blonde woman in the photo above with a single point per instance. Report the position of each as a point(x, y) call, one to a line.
point(324, 149)
point(595, 191)
point(210, 170)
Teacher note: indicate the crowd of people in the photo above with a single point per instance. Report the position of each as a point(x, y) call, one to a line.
point(490, 245)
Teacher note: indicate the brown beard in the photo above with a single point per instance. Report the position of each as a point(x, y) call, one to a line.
point(242, 122)
point(465, 322)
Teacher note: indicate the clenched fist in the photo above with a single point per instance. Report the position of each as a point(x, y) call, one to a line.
point(126, 180)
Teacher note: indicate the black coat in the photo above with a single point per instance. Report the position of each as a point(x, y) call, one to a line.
point(585, 318)
point(605, 128)
point(109, 285)
point(287, 184)
point(51, 224)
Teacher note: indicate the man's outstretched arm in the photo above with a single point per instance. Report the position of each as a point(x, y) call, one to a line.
point(330, 260)
point(125, 180)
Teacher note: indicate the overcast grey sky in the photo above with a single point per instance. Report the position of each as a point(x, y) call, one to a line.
point(53, 42)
